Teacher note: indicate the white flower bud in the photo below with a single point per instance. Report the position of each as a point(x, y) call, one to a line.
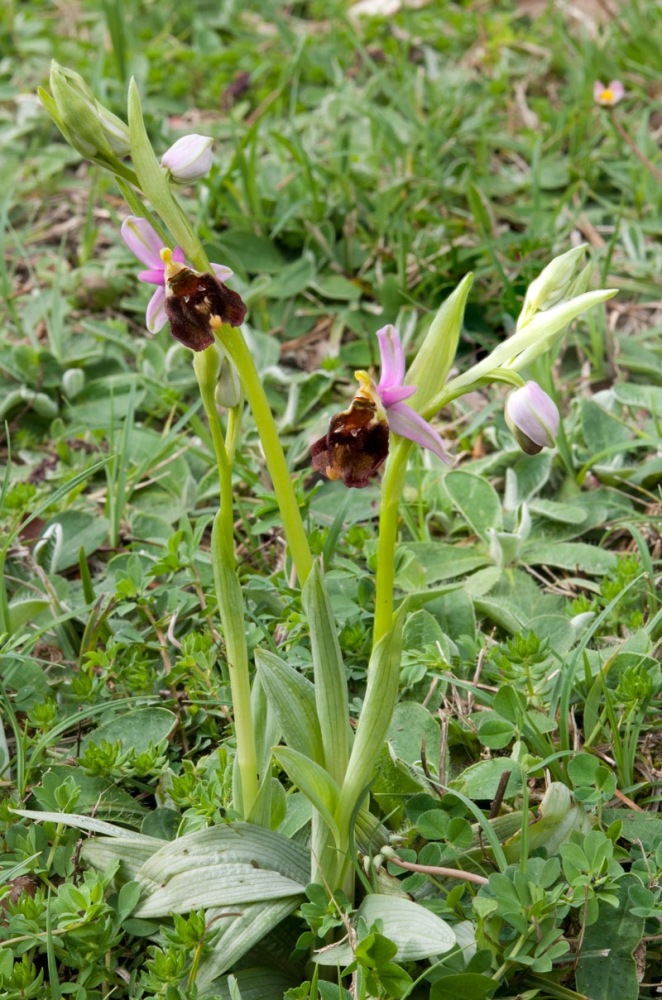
point(552, 285)
point(188, 159)
point(532, 417)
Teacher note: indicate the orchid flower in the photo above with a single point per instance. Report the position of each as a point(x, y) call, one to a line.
point(143, 240)
point(356, 444)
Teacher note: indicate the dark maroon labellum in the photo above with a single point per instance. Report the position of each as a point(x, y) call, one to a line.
point(191, 301)
point(356, 444)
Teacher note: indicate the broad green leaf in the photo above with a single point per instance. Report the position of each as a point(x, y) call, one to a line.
point(442, 561)
point(481, 582)
point(291, 280)
point(468, 985)
point(104, 852)
point(260, 983)
point(240, 843)
point(563, 513)
point(298, 814)
point(421, 629)
point(501, 612)
point(481, 780)
point(607, 967)
point(637, 826)
point(135, 730)
point(237, 933)
point(246, 251)
point(532, 472)
point(97, 796)
point(557, 629)
point(559, 818)
point(602, 430)
point(476, 500)
point(22, 611)
point(417, 933)
point(129, 852)
point(571, 556)
point(292, 697)
point(647, 397)
point(316, 784)
point(494, 732)
point(79, 529)
point(411, 727)
point(219, 884)
point(335, 286)
point(127, 899)
point(394, 784)
point(330, 680)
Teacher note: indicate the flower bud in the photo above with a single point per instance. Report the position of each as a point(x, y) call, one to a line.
point(532, 417)
point(552, 285)
point(228, 384)
point(73, 382)
point(85, 123)
point(115, 130)
point(188, 159)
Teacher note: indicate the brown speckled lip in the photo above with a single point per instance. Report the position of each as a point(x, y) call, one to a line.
point(355, 446)
point(192, 299)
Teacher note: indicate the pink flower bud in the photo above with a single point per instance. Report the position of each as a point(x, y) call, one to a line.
point(532, 417)
point(188, 159)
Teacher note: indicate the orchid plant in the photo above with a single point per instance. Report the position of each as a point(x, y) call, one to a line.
point(384, 421)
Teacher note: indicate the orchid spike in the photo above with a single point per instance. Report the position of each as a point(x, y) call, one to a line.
point(143, 241)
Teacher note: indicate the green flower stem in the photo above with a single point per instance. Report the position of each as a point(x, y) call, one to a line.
point(392, 487)
point(228, 590)
point(295, 533)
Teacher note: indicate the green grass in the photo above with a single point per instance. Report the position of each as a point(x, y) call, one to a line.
point(362, 167)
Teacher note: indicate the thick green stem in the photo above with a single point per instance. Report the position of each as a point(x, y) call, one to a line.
point(228, 590)
point(295, 533)
point(392, 487)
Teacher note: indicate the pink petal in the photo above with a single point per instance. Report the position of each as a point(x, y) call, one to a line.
point(598, 89)
point(617, 90)
point(220, 270)
point(392, 357)
point(155, 277)
point(156, 315)
point(396, 394)
point(407, 423)
point(143, 241)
